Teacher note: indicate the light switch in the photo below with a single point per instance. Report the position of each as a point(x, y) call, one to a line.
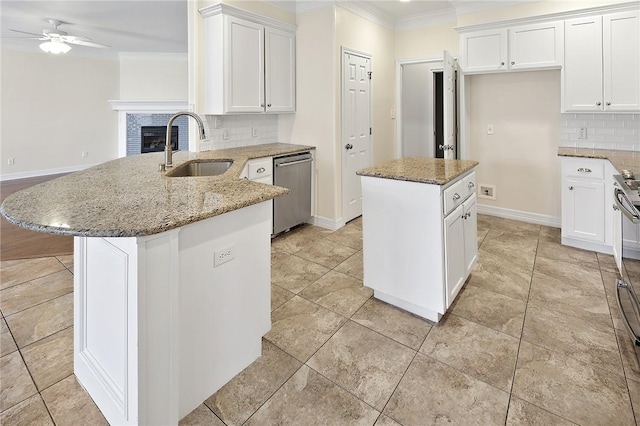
point(489, 129)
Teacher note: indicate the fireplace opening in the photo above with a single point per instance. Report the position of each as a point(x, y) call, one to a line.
point(154, 138)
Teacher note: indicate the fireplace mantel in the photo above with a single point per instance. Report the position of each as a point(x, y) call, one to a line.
point(125, 107)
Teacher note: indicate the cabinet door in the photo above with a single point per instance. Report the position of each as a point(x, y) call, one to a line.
point(536, 46)
point(280, 70)
point(244, 66)
point(470, 234)
point(583, 204)
point(484, 51)
point(582, 72)
point(454, 252)
point(621, 56)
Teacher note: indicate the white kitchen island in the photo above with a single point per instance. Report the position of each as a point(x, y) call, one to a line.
point(419, 228)
point(171, 277)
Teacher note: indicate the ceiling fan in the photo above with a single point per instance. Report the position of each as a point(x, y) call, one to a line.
point(57, 41)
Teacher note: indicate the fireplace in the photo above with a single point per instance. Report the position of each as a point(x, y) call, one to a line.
point(153, 138)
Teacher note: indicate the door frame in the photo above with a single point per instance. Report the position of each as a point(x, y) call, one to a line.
point(344, 51)
point(463, 139)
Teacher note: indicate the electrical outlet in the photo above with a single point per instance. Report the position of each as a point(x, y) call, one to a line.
point(254, 132)
point(487, 191)
point(489, 129)
point(85, 154)
point(11, 161)
point(223, 256)
point(582, 134)
point(225, 134)
point(216, 122)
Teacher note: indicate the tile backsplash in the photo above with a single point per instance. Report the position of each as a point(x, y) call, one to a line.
point(604, 131)
point(231, 131)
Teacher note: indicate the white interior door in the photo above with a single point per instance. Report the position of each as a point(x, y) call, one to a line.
point(449, 104)
point(356, 129)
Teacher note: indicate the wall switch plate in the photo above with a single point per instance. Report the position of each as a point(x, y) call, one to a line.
point(489, 129)
point(220, 257)
point(254, 132)
point(487, 191)
point(225, 134)
point(393, 114)
point(582, 133)
point(11, 161)
point(85, 154)
point(216, 122)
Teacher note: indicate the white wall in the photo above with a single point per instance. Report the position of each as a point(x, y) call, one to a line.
point(153, 76)
point(314, 121)
point(521, 157)
point(53, 108)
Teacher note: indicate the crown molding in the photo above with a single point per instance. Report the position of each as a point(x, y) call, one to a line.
point(426, 19)
point(368, 12)
point(306, 6)
point(552, 16)
point(152, 56)
point(221, 8)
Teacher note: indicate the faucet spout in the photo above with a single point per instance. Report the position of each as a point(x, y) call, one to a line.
point(168, 152)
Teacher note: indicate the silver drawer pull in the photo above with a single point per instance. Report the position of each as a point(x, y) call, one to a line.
point(261, 170)
point(456, 196)
point(584, 170)
point(471, 185)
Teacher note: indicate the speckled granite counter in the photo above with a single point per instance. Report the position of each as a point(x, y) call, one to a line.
point(128, 197)
point(621, 160)
point(424, 170)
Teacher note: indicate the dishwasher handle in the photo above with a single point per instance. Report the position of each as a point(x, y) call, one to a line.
point(620, 198)
point(308, 160)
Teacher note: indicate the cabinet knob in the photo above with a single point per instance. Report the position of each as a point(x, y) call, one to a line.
point(571, 188)
point(501, 64)
point(608, 103)
point(471, 185)
point(615, 208)
point(456, 196)
point(348, 146)
point(262, 105)
point(269, 105)
point(598, 103)
point(513, 62)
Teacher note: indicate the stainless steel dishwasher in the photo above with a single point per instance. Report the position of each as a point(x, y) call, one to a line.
point(293, 172)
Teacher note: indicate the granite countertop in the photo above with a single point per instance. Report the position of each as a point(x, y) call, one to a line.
point(435, 171)
point(621, 160)
point(129, 197)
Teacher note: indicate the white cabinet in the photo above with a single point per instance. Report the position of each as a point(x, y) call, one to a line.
point(587, 220)
point(602, 63)
point(461, 246)
point(419, 249)
point(259, 170)
point(249, 65)
point(522, 47)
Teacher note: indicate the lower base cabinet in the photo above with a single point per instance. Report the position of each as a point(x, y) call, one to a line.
point(420, 241)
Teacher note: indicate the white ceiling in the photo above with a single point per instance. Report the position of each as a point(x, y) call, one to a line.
point(126, 26)
point(161, 25)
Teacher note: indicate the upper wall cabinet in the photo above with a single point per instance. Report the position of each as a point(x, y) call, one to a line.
point(602, 63)
point(249, 63)
point(520, 47)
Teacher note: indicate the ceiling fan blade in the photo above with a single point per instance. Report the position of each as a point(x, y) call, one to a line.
point(23, 38)
point(25, 32)
point(81, 41)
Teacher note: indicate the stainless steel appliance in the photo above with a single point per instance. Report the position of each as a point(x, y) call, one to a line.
point(293, 172)
point(626, 212)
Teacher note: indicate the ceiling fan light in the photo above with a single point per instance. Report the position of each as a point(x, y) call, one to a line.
point(55, 47)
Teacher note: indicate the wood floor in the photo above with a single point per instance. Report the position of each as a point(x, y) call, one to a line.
point(18, 243)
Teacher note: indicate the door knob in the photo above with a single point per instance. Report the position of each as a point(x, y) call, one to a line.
point(513, 63)
point(348, 146)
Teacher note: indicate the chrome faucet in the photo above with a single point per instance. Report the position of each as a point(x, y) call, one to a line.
point(168, 152)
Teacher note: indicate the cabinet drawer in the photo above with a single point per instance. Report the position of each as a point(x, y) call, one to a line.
point(586, 169)
point(469, 184)
point(260, 168)
point(454, 196)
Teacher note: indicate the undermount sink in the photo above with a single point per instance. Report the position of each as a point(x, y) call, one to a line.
point(196, 168)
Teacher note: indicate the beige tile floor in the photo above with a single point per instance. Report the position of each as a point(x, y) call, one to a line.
point(533, 338)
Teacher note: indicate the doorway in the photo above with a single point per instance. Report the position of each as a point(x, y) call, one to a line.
point(427, 125)
point(356, 128)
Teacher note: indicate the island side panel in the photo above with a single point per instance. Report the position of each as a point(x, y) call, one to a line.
point(225, 309)
point(403, 244)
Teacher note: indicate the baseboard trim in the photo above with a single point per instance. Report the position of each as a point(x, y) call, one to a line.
point(324, 222)
point(36, 173)
point(535, 218)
